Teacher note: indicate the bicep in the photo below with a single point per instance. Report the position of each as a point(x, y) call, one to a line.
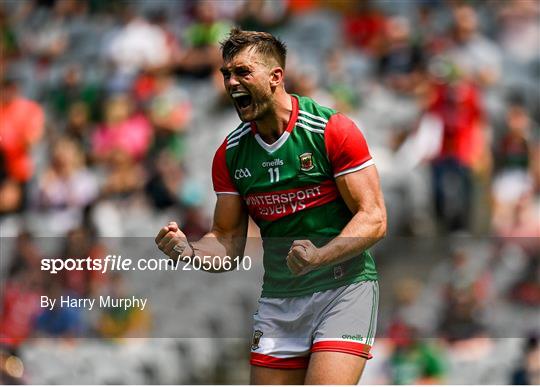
point(230, 216)
point(361, 190)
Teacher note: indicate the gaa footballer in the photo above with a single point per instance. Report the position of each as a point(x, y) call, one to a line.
point(304, 174)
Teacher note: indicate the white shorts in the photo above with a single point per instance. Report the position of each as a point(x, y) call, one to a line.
point(288, 330)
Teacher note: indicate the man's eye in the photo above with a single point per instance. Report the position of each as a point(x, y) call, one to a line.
point(243, 73)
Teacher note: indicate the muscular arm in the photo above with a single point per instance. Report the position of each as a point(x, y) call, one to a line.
point(362, 194)
point(228, 234)
point(358, 183)
point(226, 238)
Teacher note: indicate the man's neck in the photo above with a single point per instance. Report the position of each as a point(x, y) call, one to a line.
point(272, 127)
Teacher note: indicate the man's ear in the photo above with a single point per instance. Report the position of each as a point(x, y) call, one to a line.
point(276, 76)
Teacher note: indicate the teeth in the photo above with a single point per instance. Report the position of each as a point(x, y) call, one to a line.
point(239, 94)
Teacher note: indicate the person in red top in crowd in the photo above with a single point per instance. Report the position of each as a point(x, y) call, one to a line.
point(20, 292)
point(458, 105)
point(21, 127)
point(364, 27)
point(460, 108)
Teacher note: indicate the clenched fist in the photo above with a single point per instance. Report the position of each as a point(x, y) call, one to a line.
point(303, 257)
point(173, 242)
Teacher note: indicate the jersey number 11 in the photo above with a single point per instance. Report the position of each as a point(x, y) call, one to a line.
point(274, 174)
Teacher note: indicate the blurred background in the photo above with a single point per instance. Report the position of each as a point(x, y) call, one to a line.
point(110, 114)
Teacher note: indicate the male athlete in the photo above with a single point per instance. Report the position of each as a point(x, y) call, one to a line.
point(304, 174)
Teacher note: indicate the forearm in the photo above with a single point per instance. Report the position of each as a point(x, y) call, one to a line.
point(215, 245)
point(362, 232)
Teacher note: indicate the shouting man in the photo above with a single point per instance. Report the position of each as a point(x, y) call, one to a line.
point(304, 173)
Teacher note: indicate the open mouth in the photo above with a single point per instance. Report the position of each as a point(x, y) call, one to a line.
point(242, 99)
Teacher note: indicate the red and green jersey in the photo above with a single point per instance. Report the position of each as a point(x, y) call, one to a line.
point(290, 191)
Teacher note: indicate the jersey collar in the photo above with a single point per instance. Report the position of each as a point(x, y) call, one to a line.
point(271, 148)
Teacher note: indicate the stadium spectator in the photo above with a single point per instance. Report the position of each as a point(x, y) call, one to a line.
point(201, 58)
point(160, 18)
point(518, 30)
point(73, 89)
point(81, 242)
point(9, 46)
point(59, 321)
point(304, 80)
point(169, 111)
point(21, 290)
point(164, 185)
point(475, 56)
point(457, 103)
point(26, 256)
point(123, 131)
point(257, 15)
point(408, 308)
point(461, 317)
point(527, 288)
point(125, 176)
point(401, 60)
point(66, 187)
point(19, 308)
point(21, 127)
point(79, 128)
point(51, 38)
point(513, 178)
point(120, 322)
point(363, 28)
point(302, 7)
point(139, 44)
point(340, 82)
point(413, 361)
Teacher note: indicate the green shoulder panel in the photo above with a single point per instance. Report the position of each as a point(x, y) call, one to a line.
point(234, 139)
point(308, 105)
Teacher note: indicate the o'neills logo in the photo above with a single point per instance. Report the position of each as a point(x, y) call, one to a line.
point(273, 163)
point(353, 337)
point(270, 206)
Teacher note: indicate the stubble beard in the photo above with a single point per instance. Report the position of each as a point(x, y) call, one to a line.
point(261, 107)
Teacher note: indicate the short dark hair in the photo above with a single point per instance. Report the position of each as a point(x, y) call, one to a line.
point(263, 42)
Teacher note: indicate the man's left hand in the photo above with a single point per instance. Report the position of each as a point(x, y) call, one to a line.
point(303, 257)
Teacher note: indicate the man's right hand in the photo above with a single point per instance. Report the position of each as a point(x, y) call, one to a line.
point(171, 236)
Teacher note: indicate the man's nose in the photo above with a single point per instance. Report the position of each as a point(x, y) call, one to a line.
point(233, 81)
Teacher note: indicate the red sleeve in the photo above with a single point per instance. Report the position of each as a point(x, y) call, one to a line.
point(345, 145)
point(221, 178)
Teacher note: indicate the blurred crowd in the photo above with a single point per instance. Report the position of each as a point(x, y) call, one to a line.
point(110, 113)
